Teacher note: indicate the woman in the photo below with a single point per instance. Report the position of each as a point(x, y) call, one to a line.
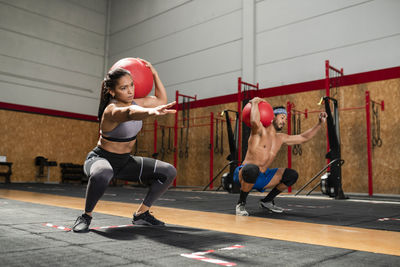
point(120, 118)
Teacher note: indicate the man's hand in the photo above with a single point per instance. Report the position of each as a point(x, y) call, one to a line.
point(322, 117)
point(256, 100)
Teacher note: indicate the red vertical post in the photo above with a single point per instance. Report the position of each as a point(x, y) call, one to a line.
point(155, 135)
point(327, 87)
point(369, 149)
point(327, 93)
point(239, 102)
point(211, 148)
point(176, 134)
point(289, 130)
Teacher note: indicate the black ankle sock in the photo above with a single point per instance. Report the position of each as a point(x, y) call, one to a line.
point(243, 197)
point(274, 192)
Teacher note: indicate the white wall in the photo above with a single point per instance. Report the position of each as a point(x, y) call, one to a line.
point(294, 38)
point(52, 53)
point(200, 46)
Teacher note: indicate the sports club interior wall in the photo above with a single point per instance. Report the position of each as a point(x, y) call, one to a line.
point(25, 136)
point(195, 170)
point(386, 167)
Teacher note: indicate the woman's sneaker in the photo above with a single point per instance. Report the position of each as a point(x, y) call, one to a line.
point(82, 223)
point(270, 205)
point(240, 210)
point(146, 219)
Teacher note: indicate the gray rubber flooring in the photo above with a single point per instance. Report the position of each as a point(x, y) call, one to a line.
point(26, 241)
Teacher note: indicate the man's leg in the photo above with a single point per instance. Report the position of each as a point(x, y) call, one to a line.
point(282, 179)
point(247, 176)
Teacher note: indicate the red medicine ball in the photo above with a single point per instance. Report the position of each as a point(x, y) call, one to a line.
point(266, 113)
point(141, 75)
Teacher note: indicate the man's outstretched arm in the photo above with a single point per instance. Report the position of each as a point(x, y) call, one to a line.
point(307, 135)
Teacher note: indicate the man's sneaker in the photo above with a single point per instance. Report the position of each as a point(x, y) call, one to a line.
point(146, 219)
point(270, 205)
point(240, 210)
point(82, 223)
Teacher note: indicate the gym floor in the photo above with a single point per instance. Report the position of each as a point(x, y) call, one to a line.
point(202, 229)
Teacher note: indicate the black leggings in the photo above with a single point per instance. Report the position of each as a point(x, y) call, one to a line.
point(101, 166)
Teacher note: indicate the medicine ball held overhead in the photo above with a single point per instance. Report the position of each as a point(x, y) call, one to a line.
point(141, 75)
point(266, 113)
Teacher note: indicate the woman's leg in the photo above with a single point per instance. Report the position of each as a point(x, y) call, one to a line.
point(100, 174)
point(158, 175)
point(162, 177)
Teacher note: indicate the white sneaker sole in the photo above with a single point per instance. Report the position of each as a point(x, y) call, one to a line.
point(272, 210)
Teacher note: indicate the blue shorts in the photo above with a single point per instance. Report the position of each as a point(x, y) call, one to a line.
point(262, 180)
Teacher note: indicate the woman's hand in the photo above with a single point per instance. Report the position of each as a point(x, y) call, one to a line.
point(148, 64)
point(163, 109)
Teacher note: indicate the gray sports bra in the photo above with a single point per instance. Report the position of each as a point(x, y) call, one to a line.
point(124, 132)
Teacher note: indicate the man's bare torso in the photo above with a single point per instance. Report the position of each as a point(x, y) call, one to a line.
point(263, 147)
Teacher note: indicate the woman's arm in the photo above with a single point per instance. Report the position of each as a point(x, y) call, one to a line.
point(135, 112)
point(160, 95)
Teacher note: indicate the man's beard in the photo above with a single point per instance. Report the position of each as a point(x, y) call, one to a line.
point(276, 126)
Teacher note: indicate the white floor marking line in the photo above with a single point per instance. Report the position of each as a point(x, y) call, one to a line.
point(199, 256)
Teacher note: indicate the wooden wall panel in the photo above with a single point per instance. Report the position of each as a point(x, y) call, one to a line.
point(25, 136)
point(354, 139)
point(385, 164)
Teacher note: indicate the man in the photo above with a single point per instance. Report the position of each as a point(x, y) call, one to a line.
point(263, 145)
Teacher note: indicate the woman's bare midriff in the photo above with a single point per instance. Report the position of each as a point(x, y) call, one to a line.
point(116, 147)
